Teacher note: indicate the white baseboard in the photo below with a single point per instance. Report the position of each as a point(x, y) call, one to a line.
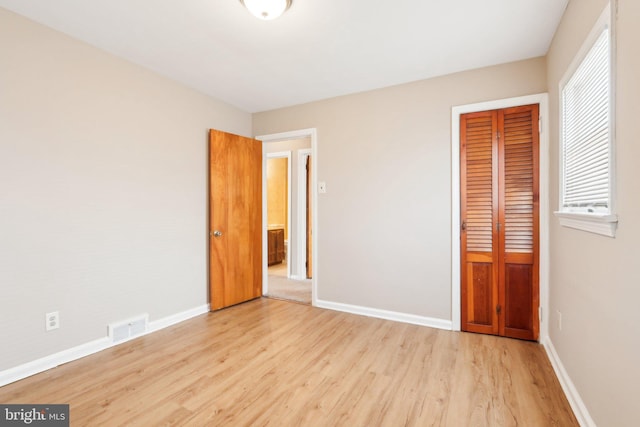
point(65, 356)
point(48, 362)
point(296, 277)
point(385, 314)
point(165, 322)
point(578, 406)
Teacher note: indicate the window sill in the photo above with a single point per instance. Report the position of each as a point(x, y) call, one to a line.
point(599, 224)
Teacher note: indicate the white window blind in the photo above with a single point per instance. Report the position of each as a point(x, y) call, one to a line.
point(586, 132)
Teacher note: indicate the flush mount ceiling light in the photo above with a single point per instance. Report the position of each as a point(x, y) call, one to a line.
point(266, 9)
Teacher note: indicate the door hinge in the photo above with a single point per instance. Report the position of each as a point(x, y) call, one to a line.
point(498, 134)
point(498, 309)
point(539, 125)
point(498, 226)
point(540, 314)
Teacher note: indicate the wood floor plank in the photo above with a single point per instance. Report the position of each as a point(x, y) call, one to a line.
point(273, 363)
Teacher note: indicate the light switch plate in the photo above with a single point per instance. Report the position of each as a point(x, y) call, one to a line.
point(322, 187)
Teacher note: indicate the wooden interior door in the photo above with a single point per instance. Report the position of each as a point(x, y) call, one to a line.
point(309, 220)
point(500, 222)
point(235, 219)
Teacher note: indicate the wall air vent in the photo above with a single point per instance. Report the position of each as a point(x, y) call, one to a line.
point(127, 329)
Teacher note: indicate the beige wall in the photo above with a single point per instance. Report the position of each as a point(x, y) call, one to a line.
point(103, 190)
point(594, 281)
point(277, 188)
point(384, 224)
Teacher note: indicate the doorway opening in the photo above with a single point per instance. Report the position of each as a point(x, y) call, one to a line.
point(278, 212)
point(287, 219)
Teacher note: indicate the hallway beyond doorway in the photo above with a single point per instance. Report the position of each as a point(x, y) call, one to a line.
point(281, 287)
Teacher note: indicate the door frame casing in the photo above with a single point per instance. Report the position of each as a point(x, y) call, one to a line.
point(302, 213)
point(543, 100)
point(265, 158)
point(310, 133)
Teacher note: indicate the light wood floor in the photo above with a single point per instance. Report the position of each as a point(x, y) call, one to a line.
point(270, 362)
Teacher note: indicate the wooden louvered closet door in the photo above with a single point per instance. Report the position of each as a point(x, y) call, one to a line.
point(499, 212)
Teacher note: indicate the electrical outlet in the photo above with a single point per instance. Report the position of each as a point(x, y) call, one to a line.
point(52, 320)
point(559, 316)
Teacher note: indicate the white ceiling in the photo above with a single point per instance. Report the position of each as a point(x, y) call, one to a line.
point(318, 49)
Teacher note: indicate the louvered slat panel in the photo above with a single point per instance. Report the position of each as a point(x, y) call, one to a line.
point(499, 203)
point(518, 182)
point(479, 178)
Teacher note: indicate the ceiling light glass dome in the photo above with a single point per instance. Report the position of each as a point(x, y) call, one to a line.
point(266, 9)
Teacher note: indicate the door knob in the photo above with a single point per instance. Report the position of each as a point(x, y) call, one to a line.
point(217, 233)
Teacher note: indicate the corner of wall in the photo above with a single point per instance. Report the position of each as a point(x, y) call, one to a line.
point(577, 404)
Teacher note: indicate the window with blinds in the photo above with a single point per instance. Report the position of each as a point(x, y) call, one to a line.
point(586, 134)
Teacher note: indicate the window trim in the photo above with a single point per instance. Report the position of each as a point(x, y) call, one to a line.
point(604, 223)
point(594, 223)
